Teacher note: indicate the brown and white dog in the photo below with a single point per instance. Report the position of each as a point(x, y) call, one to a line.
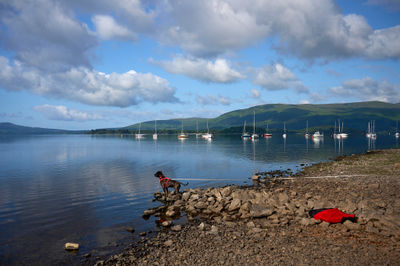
point(166, 183)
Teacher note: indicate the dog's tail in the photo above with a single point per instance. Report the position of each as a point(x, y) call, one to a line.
point(187, 183)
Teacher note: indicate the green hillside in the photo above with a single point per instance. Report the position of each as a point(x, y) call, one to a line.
point(320, 116)
point(12, 129)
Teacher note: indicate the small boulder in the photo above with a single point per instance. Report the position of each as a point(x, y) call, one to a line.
point(235, 204)
point(168, 243)
point(71, 246)
point(130, 229)
point(166, 223)
point(176, 228)
point(214, 229)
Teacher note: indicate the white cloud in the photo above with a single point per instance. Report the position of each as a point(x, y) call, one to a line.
point(277, 77)
point(213, 100)
point(312, 29)
point(109, 29)
point(304, 101)
point(46, 35)
point(255, 94)
point(61, 112)
point(368, 89)
point(219, 71)
point(88, 86)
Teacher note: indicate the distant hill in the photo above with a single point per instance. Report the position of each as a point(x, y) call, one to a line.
point(12, 129)
point(320, 116)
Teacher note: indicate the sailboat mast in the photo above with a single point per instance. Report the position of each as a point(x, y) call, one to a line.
point(254, 123)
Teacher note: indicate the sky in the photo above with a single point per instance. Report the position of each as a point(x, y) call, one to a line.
point(104, 64)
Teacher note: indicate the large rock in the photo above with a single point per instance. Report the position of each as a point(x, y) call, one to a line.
point(235, 204)
point(259, 211)
point(186, 196)
point(283, 198)
point(352, 226)
point(226, 191)
point(201, 205)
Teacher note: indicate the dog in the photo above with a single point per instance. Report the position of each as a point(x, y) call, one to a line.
point(166, 183)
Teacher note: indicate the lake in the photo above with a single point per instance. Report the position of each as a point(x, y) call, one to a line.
point(86, 189)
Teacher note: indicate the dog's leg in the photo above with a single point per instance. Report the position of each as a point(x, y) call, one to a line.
point(166, 193)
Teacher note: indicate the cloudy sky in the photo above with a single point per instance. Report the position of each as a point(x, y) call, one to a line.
point(97, 63)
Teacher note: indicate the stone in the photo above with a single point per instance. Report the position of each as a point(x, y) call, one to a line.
point(202, 226)
point(214, 229)
point(258, 211)
point(226, 191)
point(170, 213)
point(166, 223)
point(149, 212)
point(186, 196)
point(352, 226)
point(176, 228)
point(194, 197)
point(283, 198)
point(304, 221)
point(168, 243)
point(71, 246)
point(200, 205)
point(130, 229)
point(235, 204)
point(250, 224)
point(256, 230)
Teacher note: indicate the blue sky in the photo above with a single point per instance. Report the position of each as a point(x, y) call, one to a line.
point(98, 64)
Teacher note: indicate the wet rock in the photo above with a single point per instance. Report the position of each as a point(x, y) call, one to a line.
point(170, 213)
point(166, 223)
point(71, 246)
point(129, 229)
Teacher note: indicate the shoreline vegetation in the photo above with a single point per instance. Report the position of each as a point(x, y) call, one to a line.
point(268, 222)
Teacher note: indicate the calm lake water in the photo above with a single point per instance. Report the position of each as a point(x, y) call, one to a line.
point(87, 189)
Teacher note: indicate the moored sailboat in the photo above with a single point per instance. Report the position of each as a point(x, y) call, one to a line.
point(245, 135)
point(254, 136)
point(139, 135)
point(207, 135)
point(198, 135)
point(284, 130)
point(267, 134)
point(340, 134)
point(306, 135)
point(371, 130)
point(155, 135)
point(183, 135)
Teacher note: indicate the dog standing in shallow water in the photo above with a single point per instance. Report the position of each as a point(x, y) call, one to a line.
point(166, 183)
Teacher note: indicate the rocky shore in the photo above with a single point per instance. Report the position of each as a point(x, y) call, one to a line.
point(268, 222)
